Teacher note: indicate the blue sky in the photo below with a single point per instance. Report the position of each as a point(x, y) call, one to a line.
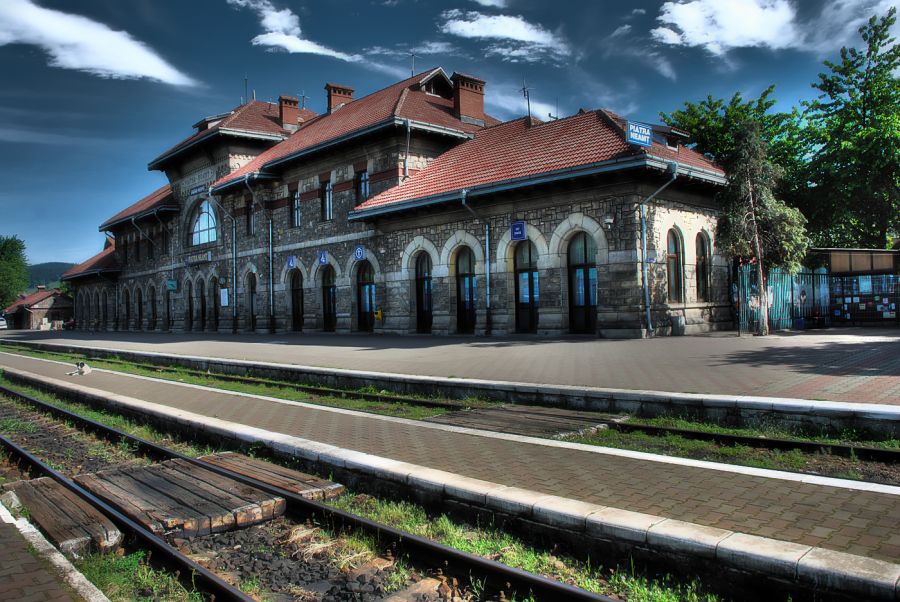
point(97, 88)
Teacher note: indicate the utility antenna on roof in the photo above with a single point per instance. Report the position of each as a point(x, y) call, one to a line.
point(254, 95)
point(412, 69)
point(303, 98)
point(526, 92)
point(246, 95)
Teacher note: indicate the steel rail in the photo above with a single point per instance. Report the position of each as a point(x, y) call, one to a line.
point(497, 576)
point(203, 579)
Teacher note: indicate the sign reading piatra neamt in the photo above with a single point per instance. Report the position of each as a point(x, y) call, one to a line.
point(639, 133)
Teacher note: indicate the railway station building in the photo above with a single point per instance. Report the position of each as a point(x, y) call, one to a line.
point(411, 210)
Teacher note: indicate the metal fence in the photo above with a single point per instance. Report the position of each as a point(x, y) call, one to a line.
point(798, 300)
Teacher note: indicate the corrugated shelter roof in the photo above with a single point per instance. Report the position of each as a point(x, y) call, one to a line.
point(31, 299)
point(406, 99)
point(253, 117)
point(157, 199)
point(104, 261)
point(521, 150)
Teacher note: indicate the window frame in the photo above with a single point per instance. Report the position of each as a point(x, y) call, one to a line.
point(250, 224)
point(702, 265)
point(675, 261)
point(363, 186)
point(326, 200)
point(296, 210)
point(212, 225)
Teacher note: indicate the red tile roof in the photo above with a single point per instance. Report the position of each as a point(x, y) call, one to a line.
point(104, 261)
point(31, 299)
point(516, 150)
point(402, 100)
point(156, 199)
point(254, 117)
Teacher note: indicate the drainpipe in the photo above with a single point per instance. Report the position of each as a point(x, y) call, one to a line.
point(233, 260)
point(271, 253)
point(488, 318)
point(406, 156)
point(673, 170)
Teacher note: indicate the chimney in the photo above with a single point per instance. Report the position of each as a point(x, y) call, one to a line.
point(468, 98)
point(338, 96)
point(41, 287)
point(289, 112)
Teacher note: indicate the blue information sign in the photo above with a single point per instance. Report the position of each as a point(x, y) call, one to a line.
point(359, 252)
point(639, 133)
point(323, 257)
point(517, 231)
point(292, 261)
point(171, 285)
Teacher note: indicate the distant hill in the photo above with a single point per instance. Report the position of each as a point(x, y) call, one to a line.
point(46, 273)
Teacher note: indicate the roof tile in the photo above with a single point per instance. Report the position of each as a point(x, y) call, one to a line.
point(158, 198)
point(104, 260)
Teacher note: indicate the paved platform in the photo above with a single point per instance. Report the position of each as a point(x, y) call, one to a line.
point(854, 518)
point(25, 576)
point(841, 364)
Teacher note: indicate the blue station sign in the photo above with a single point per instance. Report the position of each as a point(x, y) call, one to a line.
point(517, 231)
point(639, 133)
point(359, 253)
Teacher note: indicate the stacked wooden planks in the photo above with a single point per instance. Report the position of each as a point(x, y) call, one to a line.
point(76, 527)
point(304, 485)
point(180, 499)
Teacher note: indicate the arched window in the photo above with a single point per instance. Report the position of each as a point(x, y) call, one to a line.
point(582, 283)
point(365, 290)
point(423, 293)
point(674, 267)
point(465, 291)
point(203, 228)
point(329, 299)
point(702, 267)
point(527, 290)
point(296, 300)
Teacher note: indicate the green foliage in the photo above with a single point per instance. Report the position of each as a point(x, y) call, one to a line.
point(751, 207)
point(854, 125)
point(13, 269)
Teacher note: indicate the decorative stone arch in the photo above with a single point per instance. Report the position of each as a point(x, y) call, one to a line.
point(285, 277)
point(506, 245)
point(352, 263)
point(417, 245)
point(569, 227)
point(451, 247)
point(316, 270)
point(187, 220)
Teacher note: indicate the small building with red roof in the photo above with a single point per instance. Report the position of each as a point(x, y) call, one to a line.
point(41, 310)
point(410, 209)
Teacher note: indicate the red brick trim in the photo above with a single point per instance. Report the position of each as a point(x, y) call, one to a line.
point(293, 186)
point(348, 185)
point(361, 166)
point(279, 203)
point(387, 174)
point(324, 177)
point(309, 195)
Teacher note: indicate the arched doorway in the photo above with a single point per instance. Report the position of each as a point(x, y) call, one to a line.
point(152, 301)
point(296, 301)
point(189, 307)
point(365, 297)
point(201, 296)
point(527, 293)
point(104, 312)
point(251, 299)
point(582, 284)
point(168, 309)
point(214, 302)
point(424, 304)
point(126, 298)
point(96, 312)
point(465, 291)
point(329, 299)
point(139, 309)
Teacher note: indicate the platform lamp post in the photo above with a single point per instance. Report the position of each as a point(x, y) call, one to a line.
point(212, 199)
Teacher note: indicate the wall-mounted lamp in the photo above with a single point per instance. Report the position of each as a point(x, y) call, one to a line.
point(609, 221)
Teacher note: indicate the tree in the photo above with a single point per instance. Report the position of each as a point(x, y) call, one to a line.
point(13, 269)
point(755, 224)
point(855, 126)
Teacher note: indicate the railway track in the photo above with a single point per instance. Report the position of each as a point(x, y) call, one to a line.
point(496, 579)
point(860, 452)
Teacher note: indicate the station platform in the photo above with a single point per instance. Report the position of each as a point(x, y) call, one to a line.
point(857, 365)
point(835, 515)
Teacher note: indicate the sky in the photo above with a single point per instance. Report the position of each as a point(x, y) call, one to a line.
point(95, 89)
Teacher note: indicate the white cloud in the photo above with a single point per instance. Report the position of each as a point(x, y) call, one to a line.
point(623, 43)
point(638, 11)
point(422, 49)
point(720, 26)
point(78, 43)
point(521, 40)
point(492, 3)
point(506, 103)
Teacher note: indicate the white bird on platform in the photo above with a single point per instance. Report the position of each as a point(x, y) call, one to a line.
point(81, 369)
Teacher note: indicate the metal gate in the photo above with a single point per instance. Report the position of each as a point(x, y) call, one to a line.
point(798, 300)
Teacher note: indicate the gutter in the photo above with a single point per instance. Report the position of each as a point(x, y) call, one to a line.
point(673, 169)
point(107, 225)
point(231, 132)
